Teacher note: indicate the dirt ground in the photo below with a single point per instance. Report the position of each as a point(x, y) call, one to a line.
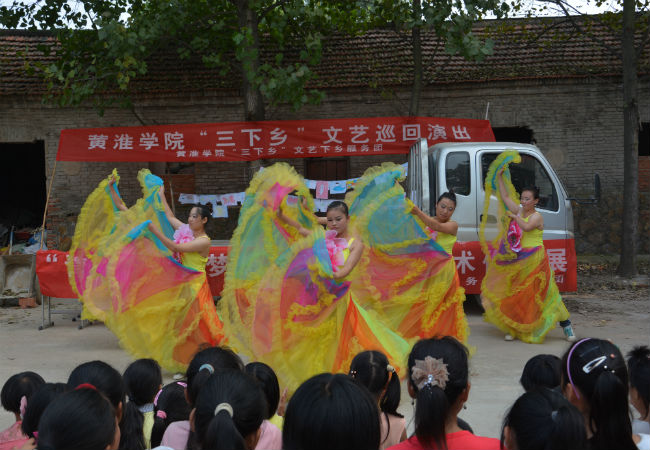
point(604, 306)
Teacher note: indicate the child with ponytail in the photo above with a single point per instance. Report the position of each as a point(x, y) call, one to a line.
point(638, 364)
point(143, 380)
point(229, 412)
point(170, 405)
point(438, 380)
point(542, 419)
point(270, 435)
point(595, 380)
point(372, 370)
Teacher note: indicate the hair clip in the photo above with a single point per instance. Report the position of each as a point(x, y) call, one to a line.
point(85, 386)
point(568, 367)
point(353, 373)
point(224, 407)
point(554, 415)
point(208, 367)
point(591, 365)
point(182, 383)
point(162, 414)
point(429, 371)
point(390, 368)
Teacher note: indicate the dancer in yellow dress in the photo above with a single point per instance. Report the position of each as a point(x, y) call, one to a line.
point(518, 291)
point(305, 301)
point(157, 303)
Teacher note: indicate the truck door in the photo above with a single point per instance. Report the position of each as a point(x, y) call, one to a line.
point(455, 172)
point(532, 171)
point(418, 187)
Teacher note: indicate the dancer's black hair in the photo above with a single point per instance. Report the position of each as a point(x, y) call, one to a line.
point(372, 370)
point(20, 385)
point(433, 403)
point(638, 364)
point(171, 406)
point(330, 412)
point(451, 195)
point(82, 419)
point(541, 371)
point(203, 211)
point(543, 420)
point(230, 408)
point(594, 369)
point(269, 384)
point(337, 204)
point(532, 189)
point(143, 379)
point(43, 396)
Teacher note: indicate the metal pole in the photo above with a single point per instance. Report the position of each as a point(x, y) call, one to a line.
point(47, 202)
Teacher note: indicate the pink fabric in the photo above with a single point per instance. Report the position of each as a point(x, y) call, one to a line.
point(460, 440)
point(335, 247)
point(393, 435)
point(514, 236)
point(12, 437)
point(270, 437)
point(182, 236)
point(176, 435)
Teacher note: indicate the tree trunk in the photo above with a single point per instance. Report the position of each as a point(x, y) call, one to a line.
point(253, 99)
point(630, 229)
point(416, 90)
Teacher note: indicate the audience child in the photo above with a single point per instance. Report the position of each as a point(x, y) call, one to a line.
point(543, 420)
point(270, 435)
point(15, 396)
point(82, 419)
point(229, 412)
point(170, 406)
point(541, 371)
point(331, 411)
point(638, 365)
point(43, 396)
point(372, 370)
point(438, 381)
point(143, 380)
point(204, 364)
point(595, 380)
point(110, 383)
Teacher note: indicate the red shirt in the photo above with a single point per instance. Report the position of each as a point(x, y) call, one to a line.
point(460, 440)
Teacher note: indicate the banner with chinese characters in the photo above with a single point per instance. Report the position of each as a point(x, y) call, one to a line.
point(470, 264)
point(247, 141)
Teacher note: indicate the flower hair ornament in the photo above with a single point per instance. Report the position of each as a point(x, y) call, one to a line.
point(429, 372)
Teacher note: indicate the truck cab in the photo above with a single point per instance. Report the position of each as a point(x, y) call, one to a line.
point(463, 168)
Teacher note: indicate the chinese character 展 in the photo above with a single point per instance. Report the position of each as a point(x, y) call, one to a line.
point(557, 259)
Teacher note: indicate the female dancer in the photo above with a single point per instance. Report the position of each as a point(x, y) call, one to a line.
point(304, 301)
point(518, 291)
point(443, 229)
point(158, 304)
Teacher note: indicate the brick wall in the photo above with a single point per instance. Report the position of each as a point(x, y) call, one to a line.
point(576, 123)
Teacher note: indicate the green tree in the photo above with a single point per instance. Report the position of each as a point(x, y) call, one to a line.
point(628, 21)
point(448, 21)
point(106, 44)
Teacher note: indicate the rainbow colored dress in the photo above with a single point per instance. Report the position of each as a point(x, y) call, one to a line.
point(126, 277)
point(518, 291)
point(281, 304)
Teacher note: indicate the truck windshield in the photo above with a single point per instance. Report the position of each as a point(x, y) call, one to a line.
point(529, 172)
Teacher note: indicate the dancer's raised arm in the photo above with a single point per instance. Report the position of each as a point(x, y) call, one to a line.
point(168, 211)
point(293, 223)
point(512, 205)
point(119, 204)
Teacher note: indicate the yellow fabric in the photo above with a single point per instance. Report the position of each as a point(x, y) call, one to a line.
point(278, 421)
point(446, 241)
point(195, 260)
point(532, 238)
point(147, 427)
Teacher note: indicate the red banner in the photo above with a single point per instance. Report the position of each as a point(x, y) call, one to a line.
point(53, 274)
point(470, 264)
point(215, 268)
point(247, 141)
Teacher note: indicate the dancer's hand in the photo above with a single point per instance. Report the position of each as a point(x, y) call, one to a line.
point(111, 180)
point(282, 405)
point(161, 191)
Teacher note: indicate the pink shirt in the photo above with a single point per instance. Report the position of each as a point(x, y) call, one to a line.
point(176, 435)
point(393, 435)
point(270, 437)
point(12, 437)
point(460, 440)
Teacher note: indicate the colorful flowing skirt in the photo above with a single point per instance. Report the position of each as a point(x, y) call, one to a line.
point(125, 277)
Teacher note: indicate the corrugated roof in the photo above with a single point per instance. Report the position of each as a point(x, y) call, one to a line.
point(380, 58)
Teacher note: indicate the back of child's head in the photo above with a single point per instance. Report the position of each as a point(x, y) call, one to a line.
point(21, 385)
point(638, 365)
point(143, 379)
point(594, 373)
point(372, 369)
point(105, 378)
point(82, 419)
point(331, 411)
point(205, 363)
point(269, 384)
point(541, 371)
point(542, 420)
point(438, 374)
point(229, 411)
point(41, 399)
point(170, 406)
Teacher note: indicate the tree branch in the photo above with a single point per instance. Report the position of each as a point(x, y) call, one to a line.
point(271, 7)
